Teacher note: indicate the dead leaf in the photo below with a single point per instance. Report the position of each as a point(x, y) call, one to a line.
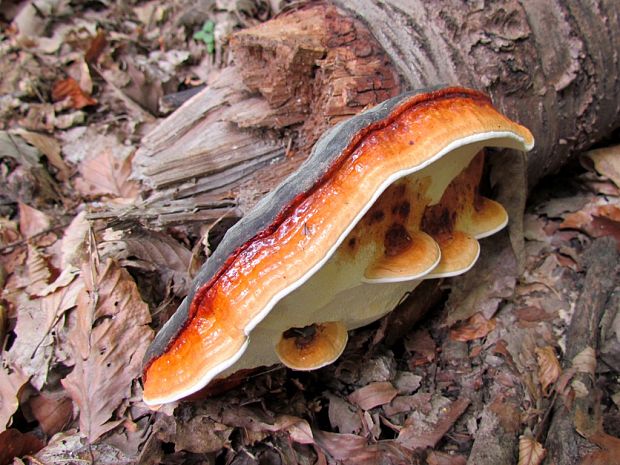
point(373, 395)
point(32, 221)
point(343, 416)
point(14, 443)
point(96, 47)
point(420, 401)
point(30, 182)
point(558, 207)
point(32, 349)
point(610, 455)
point(49, 147)
point(4, 317)
point(73, 241)
point(599, 218)
point(200, 434)
point(549, 369)
point(144, 88)
point(152, 251)
point(108, 343)
point(70, 89)
point(38, 272)
point(9, 234)
point(507, 413)
point(407, 382)
point(422, 346)
point(12, 380)
point(474, 328)
point(69, 448)
point(607, 162)
point(532, 314)
point(585, 362)
point(443, 458)
point(531, 452)
point(34, 344)
point(355, 450)
point(599, 185)
point(420, 435)
point(298, 429)
point(105, 174)
point(258, 425)
point(52, 413)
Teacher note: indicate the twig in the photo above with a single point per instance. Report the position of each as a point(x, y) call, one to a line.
point(22, 242)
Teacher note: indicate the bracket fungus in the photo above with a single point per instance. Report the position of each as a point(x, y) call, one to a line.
point(386, 199)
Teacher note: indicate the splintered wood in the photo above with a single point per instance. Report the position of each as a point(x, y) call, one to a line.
point(293, 77)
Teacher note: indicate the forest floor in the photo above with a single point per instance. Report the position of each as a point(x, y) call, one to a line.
point(504, 365)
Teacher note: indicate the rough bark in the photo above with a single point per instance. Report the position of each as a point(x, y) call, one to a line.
point(552, 65)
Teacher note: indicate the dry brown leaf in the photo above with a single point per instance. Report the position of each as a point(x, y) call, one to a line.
point(602, 457)
point(32, 221)
point(9, 234)
point(108, 342)
point(598, 218)
point(153, 251)
point(70, 89)
point(14, 443)
point(343, 416)
point(34, 344)
point(407, 382)
point(298, 429)
point(532, 314)
point(68, 448)
point(257, 425)
point(585, 362)
point(474, 328)
point(352, 449)
point(531, 452)
point(423, 347)
point(105, 174)
point(73, 245)
point(11, 381)
point(373, 395)
point(417, 435)
point(607, 162)
point(32, 349)
point(610, 455)
point(443, 458)
point(62, 280)
point(49, 147)
point(38, 273)
point(52, 413)
point(420, 401)
point(4, 319)
point(96, 47)
point(507, 412)
point(549, 369)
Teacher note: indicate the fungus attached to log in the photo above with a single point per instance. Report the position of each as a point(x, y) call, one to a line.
point(386, 199)
point(312, 347)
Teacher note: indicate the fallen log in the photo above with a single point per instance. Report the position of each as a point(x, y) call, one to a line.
point(553, 67)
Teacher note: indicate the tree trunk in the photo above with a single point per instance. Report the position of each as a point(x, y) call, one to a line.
point(551, 65)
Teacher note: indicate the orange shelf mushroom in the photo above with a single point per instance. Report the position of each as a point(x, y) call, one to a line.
point(385, 200)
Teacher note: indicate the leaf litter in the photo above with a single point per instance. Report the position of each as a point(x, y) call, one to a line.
point(74, 289)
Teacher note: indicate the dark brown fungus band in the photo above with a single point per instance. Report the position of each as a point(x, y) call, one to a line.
point(337, 244)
